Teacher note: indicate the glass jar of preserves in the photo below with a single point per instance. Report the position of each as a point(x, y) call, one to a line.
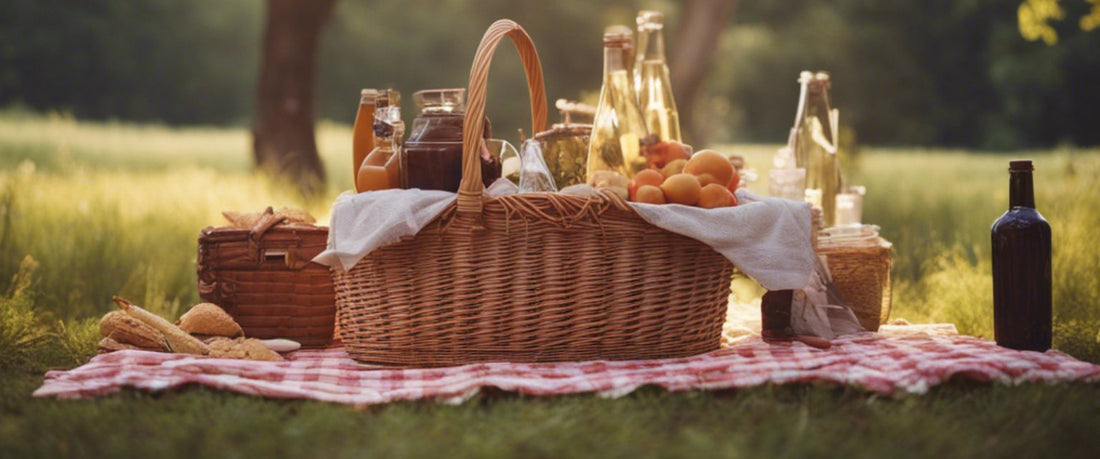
point(432, 157)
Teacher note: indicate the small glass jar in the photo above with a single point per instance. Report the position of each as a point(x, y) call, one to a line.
point(788, 183)
point(849, 206)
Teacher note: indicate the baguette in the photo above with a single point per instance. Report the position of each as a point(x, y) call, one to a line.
point(124, 329)
point(178, 340)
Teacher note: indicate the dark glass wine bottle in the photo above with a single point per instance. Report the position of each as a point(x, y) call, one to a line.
point(1022, 317)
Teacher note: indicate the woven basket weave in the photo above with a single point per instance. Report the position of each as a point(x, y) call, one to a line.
point(264, 278)
point(533, 277)
point(862, 275)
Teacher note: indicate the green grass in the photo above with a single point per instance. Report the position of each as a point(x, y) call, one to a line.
point(955, 421)
point(88, 210)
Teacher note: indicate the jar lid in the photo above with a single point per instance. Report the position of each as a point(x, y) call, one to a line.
point(448, 99)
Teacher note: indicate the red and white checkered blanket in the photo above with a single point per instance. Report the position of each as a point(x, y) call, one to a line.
point(880, 363)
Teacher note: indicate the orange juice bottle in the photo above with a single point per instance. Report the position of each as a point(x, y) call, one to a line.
point(362, 135)
point(381, 168)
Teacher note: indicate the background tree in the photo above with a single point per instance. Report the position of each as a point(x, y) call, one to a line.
point(934, 72)
point(283, 140)
point(692, 57)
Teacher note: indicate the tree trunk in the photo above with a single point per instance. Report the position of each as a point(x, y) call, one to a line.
point(283, 141)
point(700, 26)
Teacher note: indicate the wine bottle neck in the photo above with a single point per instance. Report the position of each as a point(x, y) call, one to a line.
point(1021, 191)
point(655, 46)
point(817, 105)
point(612, 61)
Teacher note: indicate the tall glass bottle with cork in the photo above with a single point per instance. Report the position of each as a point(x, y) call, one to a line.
point(641, 42)
point(618, 126)
point(1022, 300)
point(653, 86)
point(627, 36)
point(815, 146)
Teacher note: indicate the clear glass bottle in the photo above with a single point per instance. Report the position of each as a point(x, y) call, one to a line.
point(1022, 315)
point(618, 126)
point(654, 89)
point(381, 168)
point(815, 143)
point(627, 36)
point(641, 43)
point(362, 134)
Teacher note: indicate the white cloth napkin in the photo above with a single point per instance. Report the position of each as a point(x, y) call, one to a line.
point(366, 221)
point(767, 238)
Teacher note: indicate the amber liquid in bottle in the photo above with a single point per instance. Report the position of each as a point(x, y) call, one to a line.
point(618, 126)
point(1022, 300)
point(362, 134)
point(381, 168)
point(654, 89)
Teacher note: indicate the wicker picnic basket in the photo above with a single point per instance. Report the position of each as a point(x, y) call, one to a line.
point(264, 278)
point(531, 277)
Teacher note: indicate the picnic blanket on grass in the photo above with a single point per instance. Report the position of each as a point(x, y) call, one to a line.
point(883, 363)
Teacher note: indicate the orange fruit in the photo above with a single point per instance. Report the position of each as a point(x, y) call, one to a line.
point(712, 163)
point(734, 182)
point(715, 195)
point(659, 154)
point(643, 178)
point(673, 168)
point(650, 194)
point(707, 179)
point(649, 177)
point(682, 189)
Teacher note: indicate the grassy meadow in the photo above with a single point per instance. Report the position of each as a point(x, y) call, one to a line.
point(88, 210)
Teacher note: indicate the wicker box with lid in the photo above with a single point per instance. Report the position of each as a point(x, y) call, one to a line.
point(264, 278)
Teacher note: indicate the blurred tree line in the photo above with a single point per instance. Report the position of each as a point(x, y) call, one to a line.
point(936, 72)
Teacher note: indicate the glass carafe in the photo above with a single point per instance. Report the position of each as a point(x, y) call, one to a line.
point(432, 156)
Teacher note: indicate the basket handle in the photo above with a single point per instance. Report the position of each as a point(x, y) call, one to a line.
point(471, 190)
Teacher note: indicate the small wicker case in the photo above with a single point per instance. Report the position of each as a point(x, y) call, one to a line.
point(264, 278)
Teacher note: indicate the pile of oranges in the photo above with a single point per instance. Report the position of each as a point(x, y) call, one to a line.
point(706, 180)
